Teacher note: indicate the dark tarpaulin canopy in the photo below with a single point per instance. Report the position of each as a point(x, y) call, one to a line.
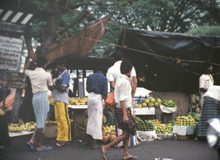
point(168, 75)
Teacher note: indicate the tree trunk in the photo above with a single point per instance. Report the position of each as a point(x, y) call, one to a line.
point(53, 20)
point(16, 106)
point(26, 109)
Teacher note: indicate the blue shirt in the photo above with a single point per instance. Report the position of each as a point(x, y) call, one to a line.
point(62, 96)
point(97, 83)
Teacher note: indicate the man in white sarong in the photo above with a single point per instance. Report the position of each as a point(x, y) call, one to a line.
point(97, 87)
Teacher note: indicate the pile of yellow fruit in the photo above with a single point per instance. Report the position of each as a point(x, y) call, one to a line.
point(164, 128)
point(72, 101)
point(149, 103)
point(1, 112)
point(29, 126)
point(78, 101)
point(108, 133)
point(185, 121)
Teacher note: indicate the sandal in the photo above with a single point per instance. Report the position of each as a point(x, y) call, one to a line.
point(45, 148)
point(103, 154)
point(31, 146)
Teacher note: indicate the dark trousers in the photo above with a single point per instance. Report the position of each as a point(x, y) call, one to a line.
point(4, 137)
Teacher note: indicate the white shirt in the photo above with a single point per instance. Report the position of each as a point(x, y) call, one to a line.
point(123, 91)
point(213, 92)
point(40, 79)
point(206, 81)
point(114, 72)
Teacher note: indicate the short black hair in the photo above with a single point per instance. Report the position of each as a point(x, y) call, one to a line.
point(126, 67)
point(60, 61)
point(41, 61)
point(103, 69)
point(118, 55)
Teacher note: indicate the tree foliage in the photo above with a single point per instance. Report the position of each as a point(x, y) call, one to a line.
point(205, 31)
point(156, 15)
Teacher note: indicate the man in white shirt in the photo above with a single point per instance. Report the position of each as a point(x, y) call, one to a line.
point(205, 81)
point(126, 120)
point(114, 72)
point(40, 82)
point(112, 75)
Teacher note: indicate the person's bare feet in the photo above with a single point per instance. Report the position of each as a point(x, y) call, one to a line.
point(129, 157)
point(103, 152)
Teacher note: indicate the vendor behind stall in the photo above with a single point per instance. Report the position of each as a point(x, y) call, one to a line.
point(205, 81)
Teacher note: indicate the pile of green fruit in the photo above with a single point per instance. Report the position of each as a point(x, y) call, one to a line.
point(196, 116)
point(145, 126)
point(149, 102)
point(168, 103)
point(29, 126)
point(195, 103)
point(185, 121)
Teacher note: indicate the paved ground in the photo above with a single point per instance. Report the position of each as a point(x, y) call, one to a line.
point(172, 149)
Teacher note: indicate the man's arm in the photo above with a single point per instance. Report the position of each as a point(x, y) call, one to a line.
point(134, 85)
point(31, 56)
point(104, 97)
point(112, 83)
point(61, 88)
point(202, 84)
point(125, 116)
point(65, 82)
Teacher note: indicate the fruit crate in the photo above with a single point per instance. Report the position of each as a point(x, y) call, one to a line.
point(184, 130)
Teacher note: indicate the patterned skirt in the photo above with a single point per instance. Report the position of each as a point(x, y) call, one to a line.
point(211, 109)
point(131, 126)
point(41, 108)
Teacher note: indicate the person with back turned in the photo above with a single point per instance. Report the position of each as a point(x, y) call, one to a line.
point(40, 82)
point(97, 87)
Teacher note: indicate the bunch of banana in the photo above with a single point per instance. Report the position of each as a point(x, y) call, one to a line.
point(1, 112)
point(29, 126)
point(78, 101)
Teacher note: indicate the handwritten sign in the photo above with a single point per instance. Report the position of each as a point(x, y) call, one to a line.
point(12, 80)
point(10, 53)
